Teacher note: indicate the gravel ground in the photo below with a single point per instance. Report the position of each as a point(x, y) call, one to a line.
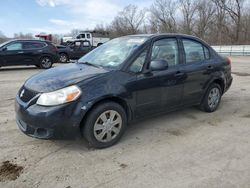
point(187, 148)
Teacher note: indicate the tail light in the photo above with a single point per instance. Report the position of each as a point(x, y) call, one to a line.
point(229, 61)
point(54, 48)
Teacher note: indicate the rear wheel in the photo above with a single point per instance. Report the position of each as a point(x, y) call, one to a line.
point(45, 62)
point(105, 125)
point(63, 58)
point(212, 98)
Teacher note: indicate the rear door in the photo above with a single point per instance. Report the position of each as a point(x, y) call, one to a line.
point(197, 69)
point(32, 51)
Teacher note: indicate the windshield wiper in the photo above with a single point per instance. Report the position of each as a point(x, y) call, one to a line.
point(88, 63)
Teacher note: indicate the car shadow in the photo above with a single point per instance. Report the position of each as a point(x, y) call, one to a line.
point(167, 122)
point(172, 124)
point(17, 68)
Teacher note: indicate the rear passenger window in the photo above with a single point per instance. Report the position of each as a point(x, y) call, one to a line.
point(33, 45)
point(195, 51)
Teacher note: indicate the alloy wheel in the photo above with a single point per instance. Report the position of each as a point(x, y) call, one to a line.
point(46, 62)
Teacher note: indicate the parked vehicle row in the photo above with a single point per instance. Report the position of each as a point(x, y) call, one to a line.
point(123, 80)
point(40, 53)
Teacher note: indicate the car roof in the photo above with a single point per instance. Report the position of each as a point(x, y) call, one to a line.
point(156, 35)
point(164, 34)
point(28, 40)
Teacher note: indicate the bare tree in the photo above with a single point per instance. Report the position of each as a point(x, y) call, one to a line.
point(234, 8)
point(129, 20)
point(245, 28)
point(220, 18)
point(3, 38)
point(188, 8)
point(23, 36)
point(204, 18)
point(163, 12)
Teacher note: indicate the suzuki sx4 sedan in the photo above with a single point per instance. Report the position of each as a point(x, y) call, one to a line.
point(125, 79)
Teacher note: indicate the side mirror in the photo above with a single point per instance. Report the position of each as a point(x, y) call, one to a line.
point(4, 49)
point(158, 65)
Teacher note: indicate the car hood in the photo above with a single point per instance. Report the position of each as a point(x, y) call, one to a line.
point(62, 76)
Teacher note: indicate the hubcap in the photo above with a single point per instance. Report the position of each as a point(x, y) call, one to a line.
point(46, 62)
point(107, 126)
point(63, 58)
point(213, 98)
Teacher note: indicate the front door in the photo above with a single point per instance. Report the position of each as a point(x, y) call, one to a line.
point(147, 88)
point(158, 91)
point(13, 54)
point(171, 79)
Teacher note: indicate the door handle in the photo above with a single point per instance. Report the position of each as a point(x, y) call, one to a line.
point(20, 52)
point(179, 74)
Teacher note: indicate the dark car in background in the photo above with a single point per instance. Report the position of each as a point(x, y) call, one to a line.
point(28, 52)
point(73, 51)
point(123, 80)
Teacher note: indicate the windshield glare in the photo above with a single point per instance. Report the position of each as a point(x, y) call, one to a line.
point(113, 53)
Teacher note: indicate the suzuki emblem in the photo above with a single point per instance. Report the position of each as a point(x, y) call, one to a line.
point(21, 94)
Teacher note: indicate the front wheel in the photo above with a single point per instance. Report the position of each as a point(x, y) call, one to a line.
point(105, 125)
point(212, 98)
point(45, 62)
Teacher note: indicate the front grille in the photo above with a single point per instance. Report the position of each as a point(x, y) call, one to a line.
point(26, 95)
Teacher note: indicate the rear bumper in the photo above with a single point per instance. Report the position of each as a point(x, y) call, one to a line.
point(228, 84)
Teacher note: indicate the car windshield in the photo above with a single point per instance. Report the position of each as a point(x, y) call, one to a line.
point(4, 43)
point(113, 53)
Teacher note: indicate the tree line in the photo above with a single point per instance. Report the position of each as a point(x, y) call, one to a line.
point(215, 21)
point(219, 22)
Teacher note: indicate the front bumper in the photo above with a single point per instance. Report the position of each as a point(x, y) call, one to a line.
point(61, 121)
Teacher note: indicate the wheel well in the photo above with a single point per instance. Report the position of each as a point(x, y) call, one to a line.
point(45, 55)
point(63, 53)
point(221, 84)
point(110, 99)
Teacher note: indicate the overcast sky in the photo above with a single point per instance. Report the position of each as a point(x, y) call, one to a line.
point(59, 16)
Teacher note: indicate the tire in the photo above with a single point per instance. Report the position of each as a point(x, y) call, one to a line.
point(101, 135)
point(63, 58)
point(45, 62)
point(212, 98)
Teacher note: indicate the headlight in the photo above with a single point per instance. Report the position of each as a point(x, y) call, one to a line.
point(61, 96)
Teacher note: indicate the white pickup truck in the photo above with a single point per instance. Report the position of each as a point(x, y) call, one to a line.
point(86, 36)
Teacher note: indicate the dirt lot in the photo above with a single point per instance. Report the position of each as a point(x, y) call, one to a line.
point(188, 148)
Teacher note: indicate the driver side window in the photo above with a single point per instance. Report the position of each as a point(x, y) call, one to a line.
point(14, 46)
point(166, 49)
